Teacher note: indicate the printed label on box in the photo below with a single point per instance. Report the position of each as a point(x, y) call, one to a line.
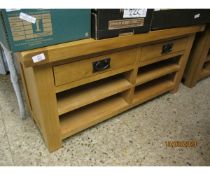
point(27, 17)
point(38, 58)
point(125, 23)
point(134, 13)
point(22, 30)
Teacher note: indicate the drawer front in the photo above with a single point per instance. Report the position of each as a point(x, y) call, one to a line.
point(163, 48)
point(78, 70)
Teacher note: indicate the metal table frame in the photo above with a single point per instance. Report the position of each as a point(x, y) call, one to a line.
point(14, 79)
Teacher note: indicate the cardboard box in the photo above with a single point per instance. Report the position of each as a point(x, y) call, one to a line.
point(169, 18)
point(32, 28)
point(107, 23)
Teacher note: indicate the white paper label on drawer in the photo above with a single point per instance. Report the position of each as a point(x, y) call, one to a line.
point(38, 58)
point(197, 16)
point(27, 17)
point(134, 13)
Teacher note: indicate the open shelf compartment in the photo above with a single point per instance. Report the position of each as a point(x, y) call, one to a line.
point(153, 88)
point(92, 114)
point(91, 92)
point(156, 70)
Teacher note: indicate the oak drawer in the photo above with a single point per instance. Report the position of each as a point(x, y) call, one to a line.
point(156, 50)
point(77, 70)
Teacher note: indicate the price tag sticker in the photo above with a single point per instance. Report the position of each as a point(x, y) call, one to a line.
point(135, 13)
point(38, 58)
point(27, 17)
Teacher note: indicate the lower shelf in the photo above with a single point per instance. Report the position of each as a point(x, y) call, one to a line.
point(156, 73)
point(87, 94)
point(90, 115)
point(152, 89)
point(157, 70)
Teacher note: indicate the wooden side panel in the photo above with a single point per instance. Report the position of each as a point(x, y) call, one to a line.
point(183, 62)
point(197, 59)
point(47, 107)
point(40, 86)
point(31, 93)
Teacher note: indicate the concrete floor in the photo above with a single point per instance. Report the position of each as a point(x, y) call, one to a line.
point(136, 137)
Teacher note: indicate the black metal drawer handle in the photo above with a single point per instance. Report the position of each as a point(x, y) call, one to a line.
point(101, 65)
point(167, 48)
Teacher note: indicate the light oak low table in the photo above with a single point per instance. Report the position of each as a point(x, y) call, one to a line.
point(198, 66)
point(85, 82)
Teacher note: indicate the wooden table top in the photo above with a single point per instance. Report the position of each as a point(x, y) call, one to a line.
point(70, 50)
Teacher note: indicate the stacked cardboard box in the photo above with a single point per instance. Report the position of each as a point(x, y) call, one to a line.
point(107, 23)
point(169, 18)
point(32, 28)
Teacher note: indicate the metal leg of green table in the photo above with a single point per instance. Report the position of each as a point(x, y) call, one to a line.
point(14, 80)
